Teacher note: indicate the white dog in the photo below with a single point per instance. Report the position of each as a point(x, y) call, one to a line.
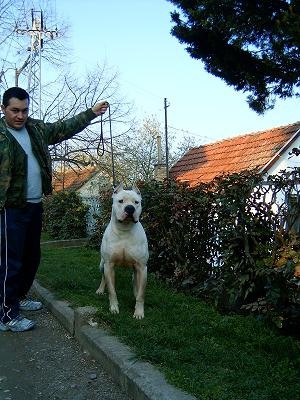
point(124, 243)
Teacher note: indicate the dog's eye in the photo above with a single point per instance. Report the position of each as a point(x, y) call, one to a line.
point(121, 201)
point(136, 202)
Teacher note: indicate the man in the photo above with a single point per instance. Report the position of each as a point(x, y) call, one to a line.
point(25, 175)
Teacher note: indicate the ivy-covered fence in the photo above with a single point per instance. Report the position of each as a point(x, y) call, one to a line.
point(232, 242)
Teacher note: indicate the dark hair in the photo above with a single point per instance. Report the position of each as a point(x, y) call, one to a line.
point(16, 92)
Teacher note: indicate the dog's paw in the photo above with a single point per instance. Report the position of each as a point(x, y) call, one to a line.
point(114, 308)
point(138, 315)
point(139, 311)
point(100, 292)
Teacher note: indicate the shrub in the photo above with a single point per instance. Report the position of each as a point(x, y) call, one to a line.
point(65, 216)
point(222, 242)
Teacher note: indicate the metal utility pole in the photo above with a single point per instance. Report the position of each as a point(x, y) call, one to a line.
point(34, 60)
point(166, 138)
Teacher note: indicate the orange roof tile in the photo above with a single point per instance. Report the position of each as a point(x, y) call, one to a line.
point(72, 179)
point(254, 150)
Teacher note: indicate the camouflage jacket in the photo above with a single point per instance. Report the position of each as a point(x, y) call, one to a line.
point(13, 159)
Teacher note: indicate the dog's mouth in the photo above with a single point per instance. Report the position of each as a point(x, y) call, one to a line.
point(128, 218)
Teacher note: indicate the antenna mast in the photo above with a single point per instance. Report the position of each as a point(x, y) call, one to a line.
point(34, 61)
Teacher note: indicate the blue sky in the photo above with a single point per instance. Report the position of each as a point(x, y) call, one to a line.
point(133, 37)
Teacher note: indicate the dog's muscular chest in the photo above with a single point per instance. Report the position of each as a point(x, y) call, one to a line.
point(121, 256)
point(123, 250)
point(125, 247)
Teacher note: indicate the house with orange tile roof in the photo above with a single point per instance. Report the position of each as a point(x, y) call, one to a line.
point(72, 179)
point(268, 151)
point(87, 182)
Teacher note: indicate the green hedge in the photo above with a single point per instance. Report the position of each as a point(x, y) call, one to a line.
point(65, 216)
point(224, 242)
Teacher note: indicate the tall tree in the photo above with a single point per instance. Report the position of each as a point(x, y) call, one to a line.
point(252, 45)
point(70, 95)
point(135, 151)
point(63, 92)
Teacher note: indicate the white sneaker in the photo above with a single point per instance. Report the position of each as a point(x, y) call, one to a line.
point(30, 305)
point(18, 324)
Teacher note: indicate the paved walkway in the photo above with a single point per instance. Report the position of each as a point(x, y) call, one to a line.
point(47, 363)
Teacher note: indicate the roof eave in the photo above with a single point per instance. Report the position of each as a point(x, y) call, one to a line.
point(276, 156)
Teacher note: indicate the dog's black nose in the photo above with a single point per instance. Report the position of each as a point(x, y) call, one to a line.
point(129, 210)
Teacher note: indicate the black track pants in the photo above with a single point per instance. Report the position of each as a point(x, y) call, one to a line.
point(20, 255)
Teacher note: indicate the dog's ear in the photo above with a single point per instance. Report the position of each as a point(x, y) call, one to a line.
point(118, 188)
point(136, 189)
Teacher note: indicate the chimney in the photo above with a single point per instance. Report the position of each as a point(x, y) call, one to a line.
point(160, 172)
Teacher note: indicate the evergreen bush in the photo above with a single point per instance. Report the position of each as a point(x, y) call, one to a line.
point(65, 215)
point(229, 241)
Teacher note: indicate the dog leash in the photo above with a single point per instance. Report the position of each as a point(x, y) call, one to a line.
point(101, 143)
point(101, 140)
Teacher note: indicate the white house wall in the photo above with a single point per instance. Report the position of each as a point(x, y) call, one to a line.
point(285, 162)
point(89, 193)
point(92, 186)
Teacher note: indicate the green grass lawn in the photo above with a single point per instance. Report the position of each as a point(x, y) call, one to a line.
point(46, 237)
point(211, 356)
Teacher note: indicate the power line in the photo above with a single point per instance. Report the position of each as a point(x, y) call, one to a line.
point(192, 133)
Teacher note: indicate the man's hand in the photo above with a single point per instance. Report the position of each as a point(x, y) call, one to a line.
point(100, 108)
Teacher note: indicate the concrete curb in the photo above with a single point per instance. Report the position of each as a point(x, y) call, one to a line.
point(139, 379)
point(65, 243)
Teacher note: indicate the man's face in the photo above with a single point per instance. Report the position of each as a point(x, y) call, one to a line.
point(16, 113)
